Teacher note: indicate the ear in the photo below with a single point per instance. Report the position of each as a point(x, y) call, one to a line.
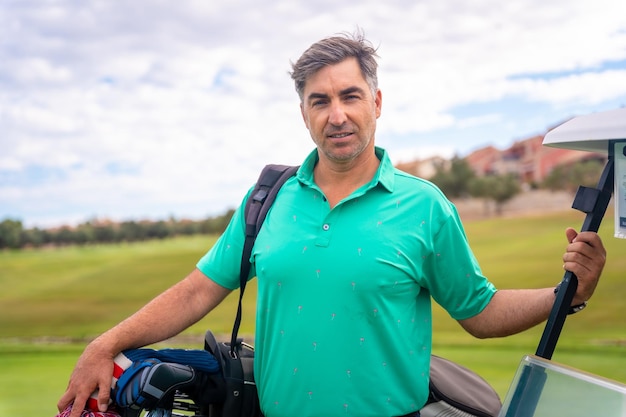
point(304, 118)
point(378, 100)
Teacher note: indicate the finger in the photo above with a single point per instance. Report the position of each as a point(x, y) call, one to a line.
point(570, 234)
point(588, 244)
point(585, 257)
point(593, 240)
point(104, 395)
point(584, 248)
point(579, 253)
point(581, 270)
point(78, 406)
point(64, 401)
point(76, 411)
point(583, 260)
point(590, 239)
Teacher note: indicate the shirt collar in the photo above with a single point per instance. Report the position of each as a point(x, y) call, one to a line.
point(384, 175)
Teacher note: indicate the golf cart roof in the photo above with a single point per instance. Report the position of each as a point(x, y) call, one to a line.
point(589, 133)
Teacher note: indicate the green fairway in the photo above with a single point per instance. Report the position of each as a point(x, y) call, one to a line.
point(54, 300)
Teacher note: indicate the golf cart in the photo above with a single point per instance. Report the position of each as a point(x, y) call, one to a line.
point(543, 388)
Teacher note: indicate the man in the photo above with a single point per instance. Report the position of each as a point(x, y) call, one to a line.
point(347, 261)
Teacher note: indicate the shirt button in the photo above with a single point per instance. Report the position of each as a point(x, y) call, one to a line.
point(326, 226)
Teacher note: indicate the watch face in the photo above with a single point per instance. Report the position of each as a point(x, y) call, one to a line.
point(576, 309)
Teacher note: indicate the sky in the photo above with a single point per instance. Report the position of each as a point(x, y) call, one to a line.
point(151, 109)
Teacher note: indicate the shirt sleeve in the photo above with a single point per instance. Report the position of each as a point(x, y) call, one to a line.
point(222, 262)
point(456, 281)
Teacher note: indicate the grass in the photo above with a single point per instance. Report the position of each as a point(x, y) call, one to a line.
point(526, 252)
point(78, 292)
point(71, 294)
point(33, 377)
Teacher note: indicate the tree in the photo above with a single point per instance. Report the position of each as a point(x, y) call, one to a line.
point(85, 234)
point(158, 230)
point(105, 233)
point(63, 236)
point(504, 188)
point(570, 176)
point(454, 180)
point(11, 234)
point(478, 187)
point(132, 231)
point(497, 188)
point(35, 237)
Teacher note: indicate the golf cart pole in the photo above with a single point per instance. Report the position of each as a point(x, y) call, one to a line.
point(594, 202)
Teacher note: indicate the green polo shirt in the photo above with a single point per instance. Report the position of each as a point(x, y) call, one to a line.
point(343, 323)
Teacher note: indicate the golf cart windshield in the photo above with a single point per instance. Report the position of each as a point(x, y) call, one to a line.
point(566, 392)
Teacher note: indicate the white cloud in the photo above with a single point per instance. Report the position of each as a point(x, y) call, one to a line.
point(589, 88)
point(156, 108)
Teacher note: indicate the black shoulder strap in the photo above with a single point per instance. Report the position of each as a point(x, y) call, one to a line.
point(270, 181)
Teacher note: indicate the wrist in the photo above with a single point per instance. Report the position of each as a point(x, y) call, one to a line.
point(575, 308)
point(103, 346)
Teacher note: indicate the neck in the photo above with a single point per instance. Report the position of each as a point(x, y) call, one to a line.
point(338, 180)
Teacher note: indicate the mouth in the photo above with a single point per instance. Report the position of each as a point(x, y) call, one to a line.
point(339, 135)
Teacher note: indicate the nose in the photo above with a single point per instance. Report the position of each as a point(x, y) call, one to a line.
point(337, 115)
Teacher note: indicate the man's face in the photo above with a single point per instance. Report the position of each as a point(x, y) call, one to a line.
point(340, 112)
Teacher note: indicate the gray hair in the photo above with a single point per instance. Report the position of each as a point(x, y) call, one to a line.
point(333, 50)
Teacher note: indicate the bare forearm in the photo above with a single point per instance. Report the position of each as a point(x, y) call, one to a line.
point(166, 315)
point(511, 312)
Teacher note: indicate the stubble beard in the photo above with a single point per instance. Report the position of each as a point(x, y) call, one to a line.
point(339, 154)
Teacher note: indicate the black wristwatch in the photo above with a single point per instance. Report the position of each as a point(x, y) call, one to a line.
point(573, 309)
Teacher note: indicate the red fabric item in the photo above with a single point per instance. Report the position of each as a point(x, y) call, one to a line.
point(121, 362)
point(89, 413)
